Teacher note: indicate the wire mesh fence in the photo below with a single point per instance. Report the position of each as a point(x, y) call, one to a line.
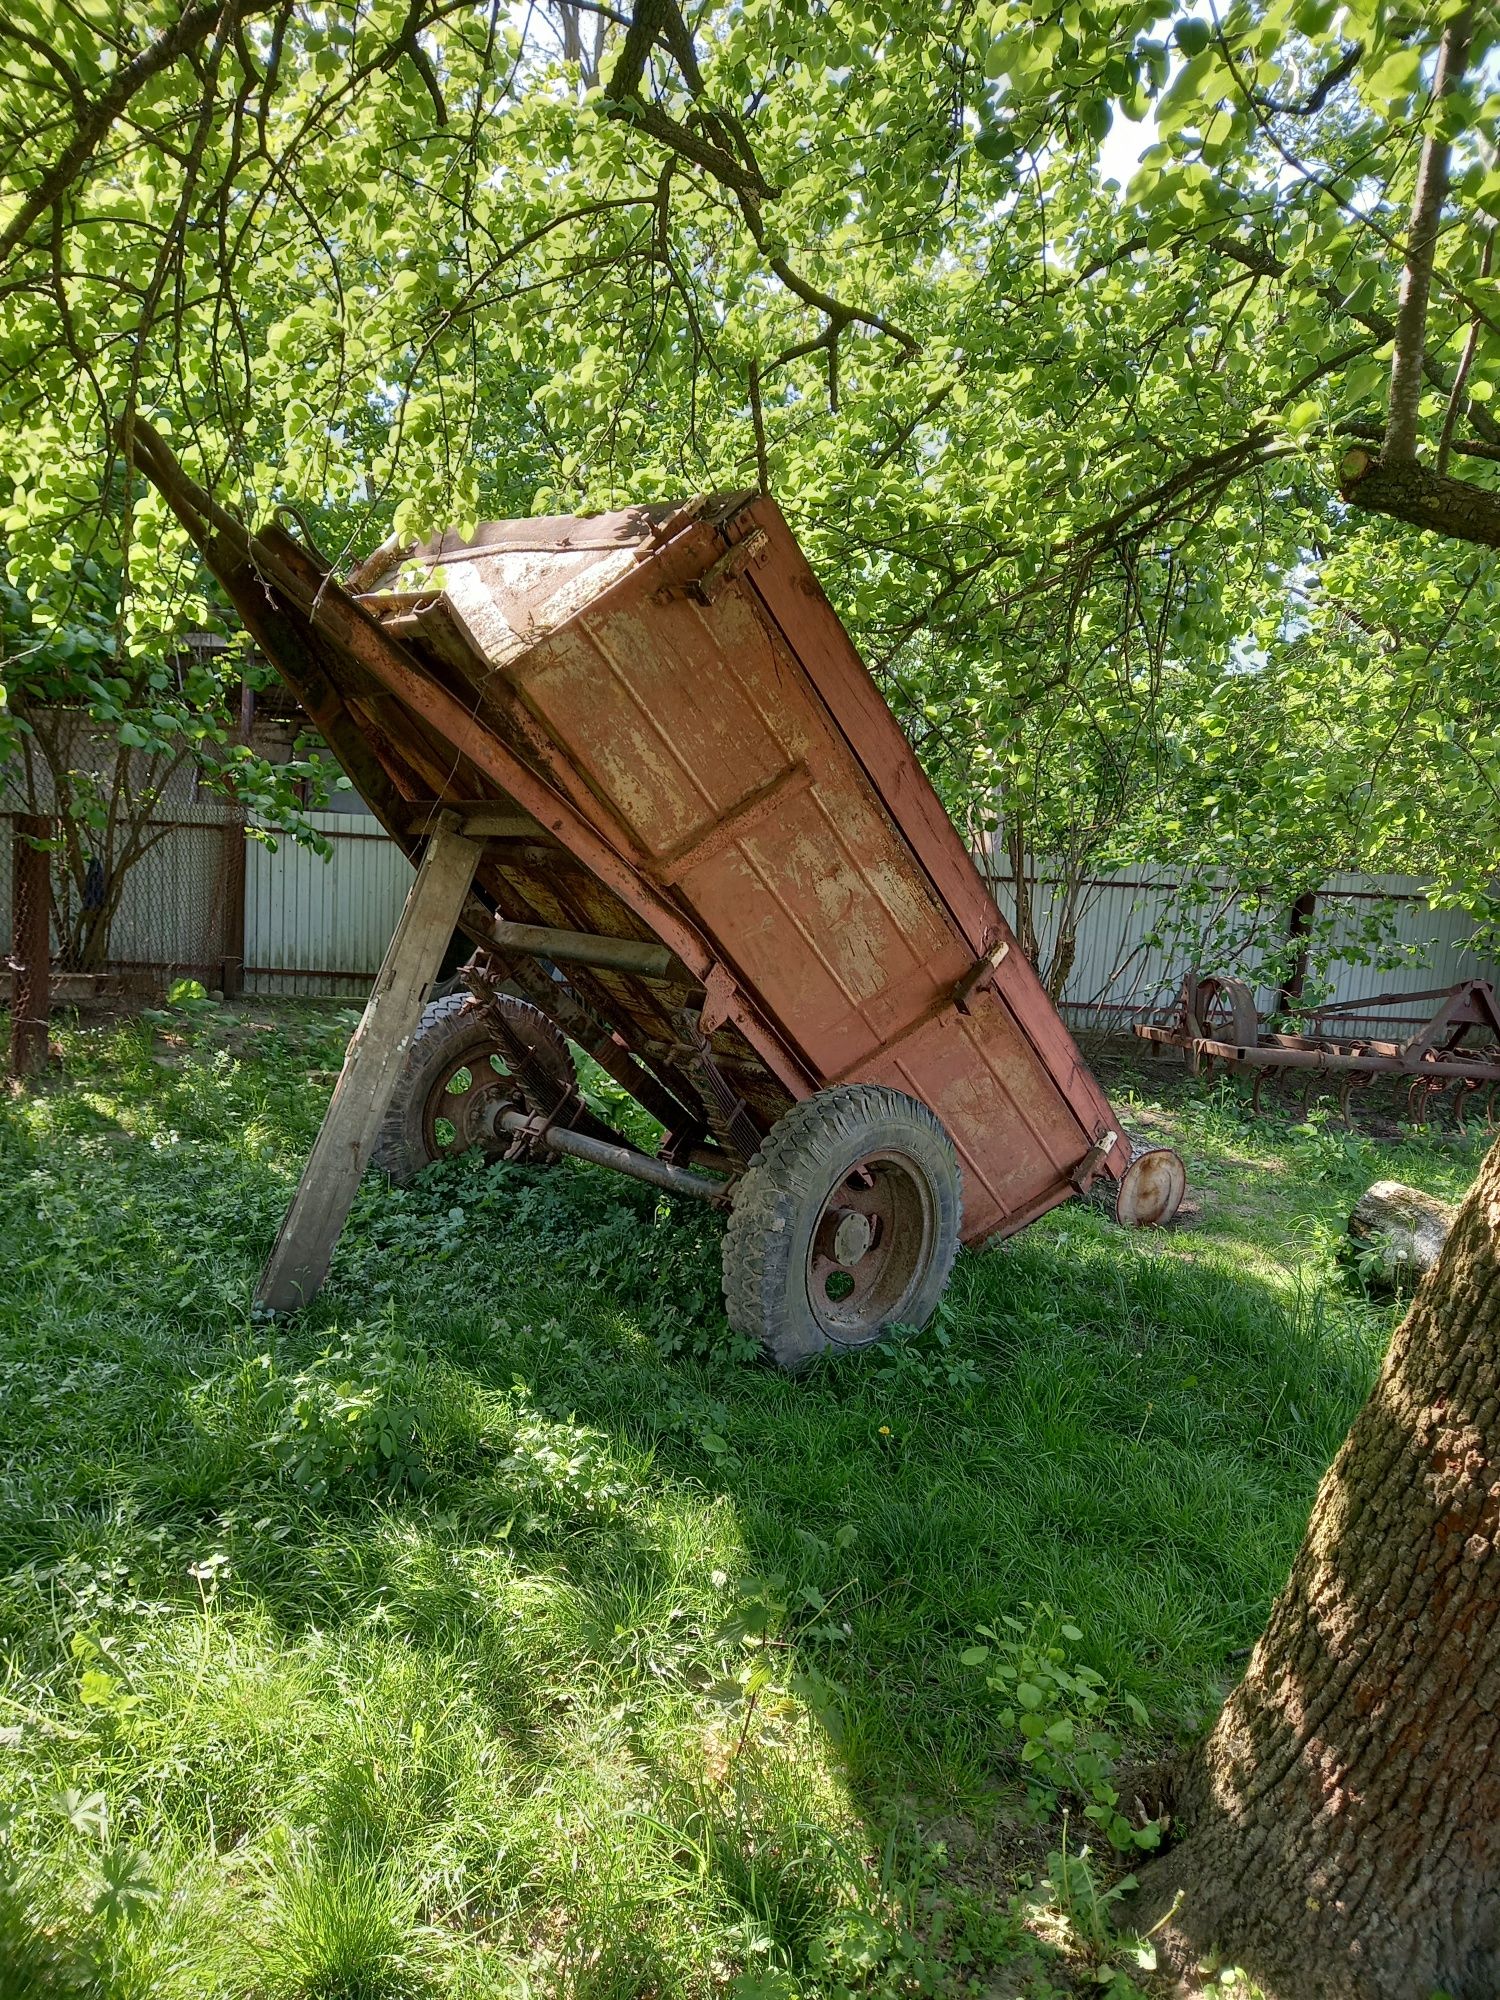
point(30, 953)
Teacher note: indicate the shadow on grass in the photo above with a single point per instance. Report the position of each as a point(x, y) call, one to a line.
point(1119, 1426)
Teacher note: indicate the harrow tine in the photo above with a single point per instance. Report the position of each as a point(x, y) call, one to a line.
point(1348, 1083)
point(1463, 1090)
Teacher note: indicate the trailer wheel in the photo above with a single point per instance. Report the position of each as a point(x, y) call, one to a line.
point(845, 1223)
point(454, 1072)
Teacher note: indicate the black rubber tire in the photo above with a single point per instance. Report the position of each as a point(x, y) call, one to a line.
point(785, 1193)
point(451, 1034)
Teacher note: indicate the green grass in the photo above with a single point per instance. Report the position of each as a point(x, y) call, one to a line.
point(501, 1627)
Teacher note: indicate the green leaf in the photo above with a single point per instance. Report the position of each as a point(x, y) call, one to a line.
point(124, 1887)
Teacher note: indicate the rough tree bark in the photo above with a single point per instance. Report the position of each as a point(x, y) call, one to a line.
point(1343, 1818)
point(1410, 492)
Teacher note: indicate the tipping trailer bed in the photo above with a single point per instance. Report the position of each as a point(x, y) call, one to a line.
point(697, 840)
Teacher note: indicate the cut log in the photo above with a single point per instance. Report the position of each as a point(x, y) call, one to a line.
point(1401, 1230)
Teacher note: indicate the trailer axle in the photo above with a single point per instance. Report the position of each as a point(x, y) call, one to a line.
point(623, 1159)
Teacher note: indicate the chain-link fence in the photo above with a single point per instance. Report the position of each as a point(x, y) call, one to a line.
point(30, 933)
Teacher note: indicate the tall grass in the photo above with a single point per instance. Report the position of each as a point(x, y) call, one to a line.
point(502, 1627)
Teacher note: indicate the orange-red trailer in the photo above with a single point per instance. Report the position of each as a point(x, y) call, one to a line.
point(702, 844)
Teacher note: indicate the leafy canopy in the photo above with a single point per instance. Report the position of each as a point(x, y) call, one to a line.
point(1066, 451)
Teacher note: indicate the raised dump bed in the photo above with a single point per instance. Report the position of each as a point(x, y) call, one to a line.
point(692, 839)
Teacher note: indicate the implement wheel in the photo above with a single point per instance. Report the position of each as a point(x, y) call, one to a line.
point(1226, 1011)
point(845, 1223)
point(457, 1075)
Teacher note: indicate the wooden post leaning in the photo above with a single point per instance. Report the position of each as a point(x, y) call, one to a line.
point(304, 1244)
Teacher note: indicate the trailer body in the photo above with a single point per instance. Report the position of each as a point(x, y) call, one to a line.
point(683, 680)
point(671, 761)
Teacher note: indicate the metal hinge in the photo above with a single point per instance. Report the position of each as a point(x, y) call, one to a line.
point(719, 575)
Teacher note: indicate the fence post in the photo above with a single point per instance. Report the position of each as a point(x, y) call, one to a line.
point(31, 945)
point(232, 958)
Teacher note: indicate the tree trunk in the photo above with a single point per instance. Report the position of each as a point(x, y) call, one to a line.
point(1404, 1226)
point(1343, 1818)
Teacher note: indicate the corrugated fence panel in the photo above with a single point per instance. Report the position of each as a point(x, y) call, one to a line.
point(1135, 941)
point(322, 927)
point(315, 926)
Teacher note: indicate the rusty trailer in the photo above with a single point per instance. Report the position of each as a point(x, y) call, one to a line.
point(640, 763)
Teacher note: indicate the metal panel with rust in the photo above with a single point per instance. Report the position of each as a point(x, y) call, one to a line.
point(661, 715)
point(737, 754)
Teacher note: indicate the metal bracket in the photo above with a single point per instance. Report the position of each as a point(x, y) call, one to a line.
point(719, 575)
point(978, 973)
point(719, 996)
point(1084, 1172)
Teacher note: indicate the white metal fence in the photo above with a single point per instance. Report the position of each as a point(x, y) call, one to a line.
point(315, 926)
point(1134, 945)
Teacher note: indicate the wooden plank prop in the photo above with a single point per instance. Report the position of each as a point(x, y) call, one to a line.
point(304, 1245)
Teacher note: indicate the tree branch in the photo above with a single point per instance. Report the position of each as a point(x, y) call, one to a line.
point(1407, 491)
point(194, 27)
point(1421, 246)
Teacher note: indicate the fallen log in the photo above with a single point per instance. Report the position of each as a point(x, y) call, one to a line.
point(1398, 1232)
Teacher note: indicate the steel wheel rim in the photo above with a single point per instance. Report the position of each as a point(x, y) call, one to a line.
point(462, 1106)
point(855, 1294)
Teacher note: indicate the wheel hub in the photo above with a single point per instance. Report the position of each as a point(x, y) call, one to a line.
point(869, 1248)
point(465, 1100)
point(464, 1103)
point(855, 1234)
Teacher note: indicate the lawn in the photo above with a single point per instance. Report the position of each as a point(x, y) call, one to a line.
point(502, 1627)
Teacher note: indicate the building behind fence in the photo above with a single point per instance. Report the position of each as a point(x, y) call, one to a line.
point(287, 922)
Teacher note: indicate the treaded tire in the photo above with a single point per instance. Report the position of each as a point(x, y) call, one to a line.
point(786, 1212)
point(451, 1035)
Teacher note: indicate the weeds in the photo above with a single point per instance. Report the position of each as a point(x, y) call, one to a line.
point(1072, 1902)
point(1067, 1719)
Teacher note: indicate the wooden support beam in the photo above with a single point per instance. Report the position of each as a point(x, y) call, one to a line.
point(482, 822)
point(304, 1245)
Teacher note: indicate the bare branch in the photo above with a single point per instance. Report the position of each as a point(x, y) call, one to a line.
point(1421, 246)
